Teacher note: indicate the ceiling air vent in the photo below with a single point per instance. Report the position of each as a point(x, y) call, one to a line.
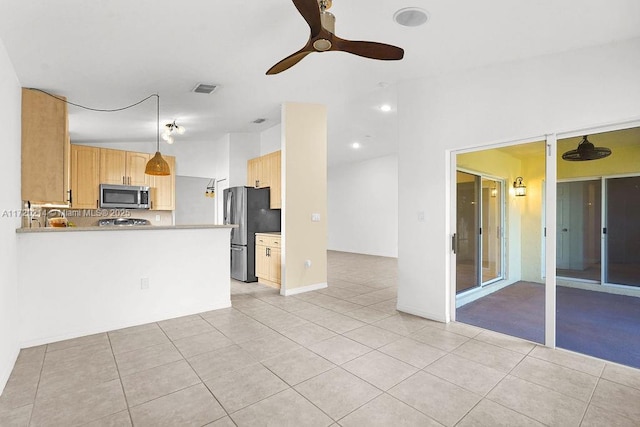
point(258, 121)
point(204, 88)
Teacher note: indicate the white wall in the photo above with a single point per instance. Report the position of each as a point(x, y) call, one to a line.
point(271, 139)
point(192, 204)
point(500, 103)
point(100, 289)
point(10, 106)
point(363, 207)
point(242, 147)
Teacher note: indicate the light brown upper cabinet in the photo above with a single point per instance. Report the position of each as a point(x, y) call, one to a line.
point(136, 164)
point(265, 171)
point(275, 160)
point(85, 176)
point(45, 148)
point(254, 172)
point(163, 193)
point(123, 167)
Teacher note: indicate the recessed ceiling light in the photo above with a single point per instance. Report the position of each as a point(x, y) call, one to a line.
point(385, 107)
point(411, 17)
point(355, 145)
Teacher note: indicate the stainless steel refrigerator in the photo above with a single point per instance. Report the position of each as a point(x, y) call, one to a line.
point(248, 208)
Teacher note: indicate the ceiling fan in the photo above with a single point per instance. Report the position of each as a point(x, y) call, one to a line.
point(323, 38)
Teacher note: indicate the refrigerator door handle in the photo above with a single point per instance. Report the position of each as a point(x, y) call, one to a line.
point(227, 217)
point(235, 249)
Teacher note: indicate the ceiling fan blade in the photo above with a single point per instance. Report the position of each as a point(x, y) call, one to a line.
point(371, 50)
point(310, 11)
point(289, 61)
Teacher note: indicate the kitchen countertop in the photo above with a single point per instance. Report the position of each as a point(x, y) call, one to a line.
point(121, 228)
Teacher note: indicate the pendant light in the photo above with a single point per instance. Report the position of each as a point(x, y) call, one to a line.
point(157, 165)
point(586, 151)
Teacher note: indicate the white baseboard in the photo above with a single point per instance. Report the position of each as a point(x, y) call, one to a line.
point(112, 326)
point(419, 312)
point(303, 289)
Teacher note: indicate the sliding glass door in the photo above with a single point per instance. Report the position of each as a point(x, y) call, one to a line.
point(479, 237)
point(491, 230)
point(581, 230)
point(622, 232)
point(578, 233)
point(467, 244)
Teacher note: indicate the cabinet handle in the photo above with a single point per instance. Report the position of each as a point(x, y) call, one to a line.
point(268, 251)
point(70, 199)
point(257, 183)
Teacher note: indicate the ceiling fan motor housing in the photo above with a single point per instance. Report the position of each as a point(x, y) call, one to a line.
point(328, 23)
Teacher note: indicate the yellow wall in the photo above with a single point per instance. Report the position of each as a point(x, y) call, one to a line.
point(304, 159)
point(533, 172)
point(523, 214)
point(624, 158)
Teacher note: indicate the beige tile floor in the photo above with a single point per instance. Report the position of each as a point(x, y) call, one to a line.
point(339, 356)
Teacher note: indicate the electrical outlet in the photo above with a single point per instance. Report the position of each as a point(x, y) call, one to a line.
point(315, 217)
point(144, 283)
point(307, 264)
point(158, 218)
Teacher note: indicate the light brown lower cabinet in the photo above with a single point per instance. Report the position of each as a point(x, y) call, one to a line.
point(268, 259)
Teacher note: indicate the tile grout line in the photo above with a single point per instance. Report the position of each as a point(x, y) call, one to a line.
point(35, 396)
point(124, 394)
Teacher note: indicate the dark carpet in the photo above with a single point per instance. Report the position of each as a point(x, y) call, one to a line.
point(594, 323)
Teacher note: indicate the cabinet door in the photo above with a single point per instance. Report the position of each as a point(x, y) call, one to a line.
point(45, 148)
point(275, 180)
point(164, 188)
point(136, 164)
point(262, 262)
point(264, 171)
point(275, 258)
point(253, 172)
point(112, 166)
point(85, 177)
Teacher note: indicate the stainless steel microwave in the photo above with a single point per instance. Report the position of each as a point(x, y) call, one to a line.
point(124, 196)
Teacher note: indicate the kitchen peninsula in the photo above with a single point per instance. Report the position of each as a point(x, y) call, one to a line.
point(77, 281)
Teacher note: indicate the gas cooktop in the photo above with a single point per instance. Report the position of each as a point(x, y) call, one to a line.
point(124, 222)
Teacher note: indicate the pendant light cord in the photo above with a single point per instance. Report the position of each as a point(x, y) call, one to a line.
point(102, 110)
point(157, 120)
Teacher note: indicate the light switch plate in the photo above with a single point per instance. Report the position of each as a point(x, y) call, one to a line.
point(315, 217)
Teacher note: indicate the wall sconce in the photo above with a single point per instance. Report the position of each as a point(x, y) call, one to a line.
point(519, 187)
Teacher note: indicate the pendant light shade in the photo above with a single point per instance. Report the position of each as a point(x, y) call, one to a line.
point(586, 151)
point(157, 165)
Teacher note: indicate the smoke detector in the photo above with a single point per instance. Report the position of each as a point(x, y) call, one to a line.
point(204, 88)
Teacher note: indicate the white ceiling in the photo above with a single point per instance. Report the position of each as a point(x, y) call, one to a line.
point(110, 53)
